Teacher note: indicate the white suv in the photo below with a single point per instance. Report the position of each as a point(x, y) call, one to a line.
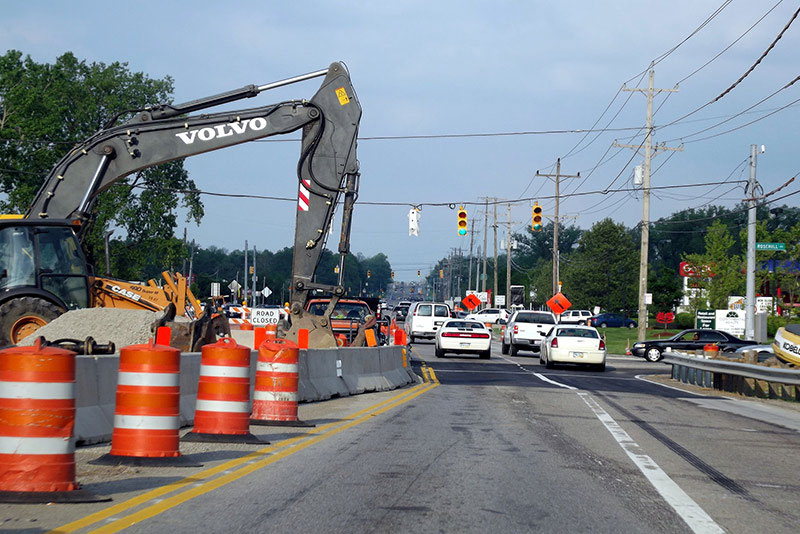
point(575, 317)
point(425, 318)
point(489, 315)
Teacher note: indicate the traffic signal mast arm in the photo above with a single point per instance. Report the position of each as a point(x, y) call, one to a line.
point(327, 167)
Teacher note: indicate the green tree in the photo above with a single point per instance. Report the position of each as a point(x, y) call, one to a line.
point(725, 269)
point(45, 109)
point(603, 270)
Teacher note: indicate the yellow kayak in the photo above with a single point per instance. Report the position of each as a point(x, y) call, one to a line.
point(787, 344)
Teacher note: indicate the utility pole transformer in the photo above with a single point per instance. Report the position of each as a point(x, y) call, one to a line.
point(648, 153)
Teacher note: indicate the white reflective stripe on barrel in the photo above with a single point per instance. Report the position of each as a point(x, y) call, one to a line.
point(37, 390)
point(225, 371)
point(222, 406)
point(274, 396)
point(19, 445)
point(148, 379)
point(147, 422)
point(266, 367)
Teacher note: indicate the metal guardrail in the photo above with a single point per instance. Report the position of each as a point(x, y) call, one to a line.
point(747, 370)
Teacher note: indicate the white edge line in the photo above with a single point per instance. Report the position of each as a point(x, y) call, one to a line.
point(692, 514)
point(643, 378)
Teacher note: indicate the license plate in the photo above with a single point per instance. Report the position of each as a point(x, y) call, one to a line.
point(438, 323)
point(463, 344)
point(577, 354)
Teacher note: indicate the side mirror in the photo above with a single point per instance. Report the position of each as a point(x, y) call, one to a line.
point(502, 321)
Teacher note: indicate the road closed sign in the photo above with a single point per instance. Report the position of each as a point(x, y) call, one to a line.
point(264, 316)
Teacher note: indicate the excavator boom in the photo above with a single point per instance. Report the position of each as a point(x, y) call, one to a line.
point(327, 166)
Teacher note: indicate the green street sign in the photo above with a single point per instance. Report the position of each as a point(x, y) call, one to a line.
point(770, 246)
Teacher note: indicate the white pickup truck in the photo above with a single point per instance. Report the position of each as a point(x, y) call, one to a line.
point(525, 330)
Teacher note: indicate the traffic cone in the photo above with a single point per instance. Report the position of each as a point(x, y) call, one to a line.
point(222, 413)
point(37, 422)
point(628, 348)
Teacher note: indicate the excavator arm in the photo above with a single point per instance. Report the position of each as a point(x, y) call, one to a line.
point(327, 167)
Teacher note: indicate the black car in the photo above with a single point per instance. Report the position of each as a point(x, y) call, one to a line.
point(399, 312)
point(651, 350)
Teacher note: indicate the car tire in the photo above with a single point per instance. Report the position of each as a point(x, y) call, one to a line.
point(600, 367)
point(439, 352)
point(603, 325)
point(487, 354)
point(411, 338)
point(504, 348)
point(653, 354)
point(548, 364)
point(512, 350)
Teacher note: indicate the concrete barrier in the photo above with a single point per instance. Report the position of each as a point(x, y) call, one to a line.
point(324, 374)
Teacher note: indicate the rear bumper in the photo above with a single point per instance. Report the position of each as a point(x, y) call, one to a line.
point(567, 356)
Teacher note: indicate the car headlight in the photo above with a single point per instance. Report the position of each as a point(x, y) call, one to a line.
point(638, 345)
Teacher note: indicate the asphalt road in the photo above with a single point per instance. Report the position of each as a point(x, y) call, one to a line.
point(498, 445)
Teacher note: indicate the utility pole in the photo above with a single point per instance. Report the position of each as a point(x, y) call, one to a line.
point(485, 235)
point(750, 304)
point(471, 241)
point(556, 256)
point(246, 272)
point(508, 256)
point(494, 286)
point(255, 275)
point(478, 270)
point(648, 153)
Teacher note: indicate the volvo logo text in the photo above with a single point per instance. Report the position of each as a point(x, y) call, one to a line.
point(223, 130)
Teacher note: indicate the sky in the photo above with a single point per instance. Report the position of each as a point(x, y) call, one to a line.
point(532, 76)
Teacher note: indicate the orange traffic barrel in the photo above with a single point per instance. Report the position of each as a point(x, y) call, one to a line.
point(277, 379)
point(246, 326)
point(222, 411)
point(37, 421)
point(147, 413)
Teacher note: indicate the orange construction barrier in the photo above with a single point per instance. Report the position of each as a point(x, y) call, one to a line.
point(37, 420)
point(277, 380)
point(222, 412)
point(400, 337)
point(246, 326)
point(147, 414)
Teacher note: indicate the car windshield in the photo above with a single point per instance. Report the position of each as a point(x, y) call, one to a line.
point(343, 310)
point(576, 332)
point(539, 318)
point(464, 324)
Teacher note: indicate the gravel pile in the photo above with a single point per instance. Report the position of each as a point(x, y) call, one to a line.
point(121, 326)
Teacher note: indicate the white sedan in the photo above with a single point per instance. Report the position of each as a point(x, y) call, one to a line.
point(573, 344)
point(462, 335)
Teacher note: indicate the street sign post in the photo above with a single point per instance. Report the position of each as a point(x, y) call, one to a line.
point(770, 246)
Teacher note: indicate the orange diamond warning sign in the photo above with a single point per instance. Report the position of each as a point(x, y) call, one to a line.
point(558, 303)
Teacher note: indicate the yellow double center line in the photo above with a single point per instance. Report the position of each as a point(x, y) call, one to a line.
point(202, 482)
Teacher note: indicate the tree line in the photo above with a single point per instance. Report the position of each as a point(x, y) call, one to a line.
point(599, 266)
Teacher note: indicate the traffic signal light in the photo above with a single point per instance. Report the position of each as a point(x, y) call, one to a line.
point(418, 272)
point(536, 223)
point(392, 274)
point(441, 273)
point(369, 274)
point(462, 221)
